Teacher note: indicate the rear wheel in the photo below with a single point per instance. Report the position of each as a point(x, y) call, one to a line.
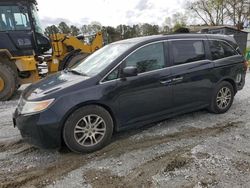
point(222, 98)
point(88, 129)
point(8, 82)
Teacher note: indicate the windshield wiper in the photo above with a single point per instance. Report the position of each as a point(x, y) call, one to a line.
point(75, 72)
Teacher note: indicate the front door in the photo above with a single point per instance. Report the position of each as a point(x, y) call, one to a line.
point(149, 94)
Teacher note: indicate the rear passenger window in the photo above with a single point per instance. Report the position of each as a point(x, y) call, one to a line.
point(220, 49)
point(188, 51)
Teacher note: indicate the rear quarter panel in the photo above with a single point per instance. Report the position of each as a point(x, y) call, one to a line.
point(228, 68)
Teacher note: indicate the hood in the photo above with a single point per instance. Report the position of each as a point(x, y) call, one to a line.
point(51, 84)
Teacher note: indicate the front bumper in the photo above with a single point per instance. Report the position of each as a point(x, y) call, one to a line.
point(38, 130)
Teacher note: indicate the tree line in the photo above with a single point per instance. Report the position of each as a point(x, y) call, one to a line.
point(207, 12)
point(112, 33)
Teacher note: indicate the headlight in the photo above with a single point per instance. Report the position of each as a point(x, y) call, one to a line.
point(28, 107)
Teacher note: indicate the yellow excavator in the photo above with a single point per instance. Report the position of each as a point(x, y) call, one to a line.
point(24, 56)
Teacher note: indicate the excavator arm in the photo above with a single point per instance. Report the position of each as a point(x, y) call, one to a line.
point(66, 47)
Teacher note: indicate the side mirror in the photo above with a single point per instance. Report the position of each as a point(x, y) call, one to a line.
point(129, 72)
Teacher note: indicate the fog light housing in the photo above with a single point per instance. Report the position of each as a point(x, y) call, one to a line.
point(238, 78)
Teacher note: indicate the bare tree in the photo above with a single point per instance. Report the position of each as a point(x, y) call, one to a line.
point(238, 11)
point(179, 18)
point(211, 12)
point(219, 12)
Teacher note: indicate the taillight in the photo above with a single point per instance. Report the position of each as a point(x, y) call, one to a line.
point(245, 65)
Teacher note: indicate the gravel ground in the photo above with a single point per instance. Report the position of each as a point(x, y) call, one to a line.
point(198, 149)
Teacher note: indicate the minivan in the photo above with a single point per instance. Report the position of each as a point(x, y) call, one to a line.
point(131, 83)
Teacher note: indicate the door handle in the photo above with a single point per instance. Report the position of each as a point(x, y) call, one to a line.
point(165, 81)
point(177, 79)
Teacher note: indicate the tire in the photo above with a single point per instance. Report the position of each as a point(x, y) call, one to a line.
point(221, 103)
point(8, 78)
point(78, 133)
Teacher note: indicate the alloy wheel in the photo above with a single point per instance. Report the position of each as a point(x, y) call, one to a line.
point(223, 98)
point(90, 130)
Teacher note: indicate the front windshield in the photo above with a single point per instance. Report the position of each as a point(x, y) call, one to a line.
point(101, 59)
point(38, 25)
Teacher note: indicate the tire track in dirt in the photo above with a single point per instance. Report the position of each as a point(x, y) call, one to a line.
point(142, 176)
point(47, 173)
point(167, 162)
point(5, 146)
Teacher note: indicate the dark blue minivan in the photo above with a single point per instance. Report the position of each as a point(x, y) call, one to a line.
point(131, 83)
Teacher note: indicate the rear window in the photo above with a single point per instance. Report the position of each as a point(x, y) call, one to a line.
point(235, 47)
point(220, 49)
point(188, 51)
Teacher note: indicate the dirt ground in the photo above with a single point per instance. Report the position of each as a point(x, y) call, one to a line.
point(198, 149)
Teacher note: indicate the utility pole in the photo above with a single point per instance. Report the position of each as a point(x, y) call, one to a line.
point(222, 12)
point(248, 16)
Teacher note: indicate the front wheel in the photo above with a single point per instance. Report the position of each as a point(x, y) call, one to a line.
point(88, 129)
point(222, 98)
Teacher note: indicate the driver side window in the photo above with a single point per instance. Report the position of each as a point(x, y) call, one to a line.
point(147, 58)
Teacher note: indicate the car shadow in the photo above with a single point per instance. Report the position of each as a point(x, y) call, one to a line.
point(125, 134)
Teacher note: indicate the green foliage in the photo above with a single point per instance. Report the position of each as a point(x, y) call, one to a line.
point(74, 30)
point(110, 33)
point(247, 54)
point(148, 29)
point(51, 30)
point(64, 28)
point(174, 23)
point(178, 26)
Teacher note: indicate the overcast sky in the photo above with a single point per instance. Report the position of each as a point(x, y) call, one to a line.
point(107, 12)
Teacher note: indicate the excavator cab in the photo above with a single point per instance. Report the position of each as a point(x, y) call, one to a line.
point(20, 30)
point(23, 46)
point(22, 42)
